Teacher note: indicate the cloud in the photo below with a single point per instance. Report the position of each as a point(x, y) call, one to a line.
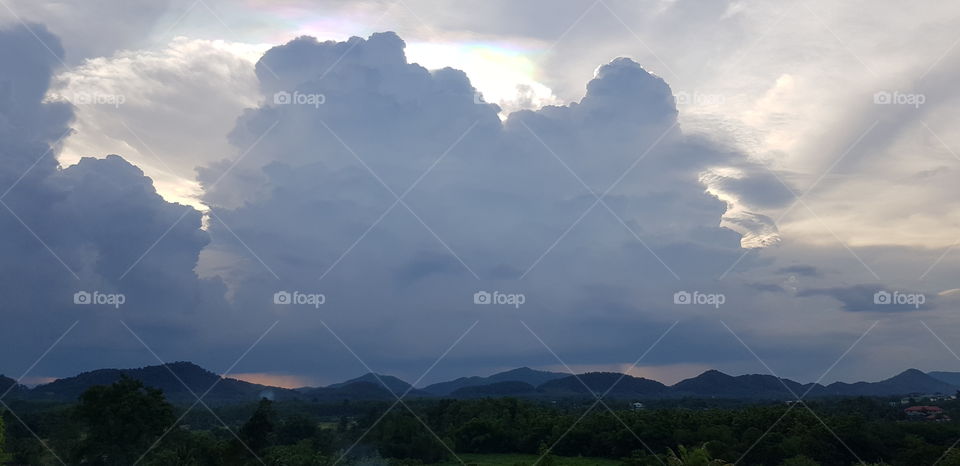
point(303, 199)
point(801, 270)
point(123, 23)
point(168, 111)
point(767, 287)
point(308, 203)
point(96, 226)
point(874, 298)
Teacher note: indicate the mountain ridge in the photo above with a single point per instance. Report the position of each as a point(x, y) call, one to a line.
point(181, 382)
point(520, 382)
point(521, 374)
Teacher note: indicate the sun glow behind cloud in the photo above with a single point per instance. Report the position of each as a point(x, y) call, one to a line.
point(503, 70)
point(503, 73)
point(275, 380)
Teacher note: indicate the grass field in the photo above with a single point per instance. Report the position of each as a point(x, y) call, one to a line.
point(526, 460)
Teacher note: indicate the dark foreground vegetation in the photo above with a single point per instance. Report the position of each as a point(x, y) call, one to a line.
point(127, 423)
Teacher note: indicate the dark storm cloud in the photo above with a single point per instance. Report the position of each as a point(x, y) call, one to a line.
point(86, 227)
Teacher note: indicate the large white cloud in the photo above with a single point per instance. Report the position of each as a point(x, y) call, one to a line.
point(498, 197)
point(314, 198)
point(168, 111)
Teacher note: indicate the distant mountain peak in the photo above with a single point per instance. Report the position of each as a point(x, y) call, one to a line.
point(6, 383)
point(527, 375)
point(613, 384)
point(716, 384)
point(911, 375)
point(389, 382)
point(519, 370)
point(184, 365)
point(180, 381)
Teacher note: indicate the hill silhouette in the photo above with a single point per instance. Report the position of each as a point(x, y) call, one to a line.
point(177, 380)
point(523, 374)
point(181, 380)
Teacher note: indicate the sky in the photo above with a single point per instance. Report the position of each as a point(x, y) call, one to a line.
point(298, 192)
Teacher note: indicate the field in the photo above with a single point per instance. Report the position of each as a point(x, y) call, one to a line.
point(526, 460)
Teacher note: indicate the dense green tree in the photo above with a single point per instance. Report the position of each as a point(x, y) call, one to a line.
point(692, 457)
point(302, 453)
point(402, 436)
point(120, 422)
point(185, 448)
point(4, 457)
point(258, 432)
point(113, 425)
point(326, 441)
point(295, 428)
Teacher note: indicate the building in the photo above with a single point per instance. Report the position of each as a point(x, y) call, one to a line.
point(926, 413)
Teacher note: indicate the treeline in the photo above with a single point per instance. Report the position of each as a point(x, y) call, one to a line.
point(127, 423)
point(868, 430)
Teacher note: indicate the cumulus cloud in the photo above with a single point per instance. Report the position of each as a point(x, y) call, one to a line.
point(98, 225)
point(310, 203)
point(168, 111)
point(494, 204)
point(305, 199)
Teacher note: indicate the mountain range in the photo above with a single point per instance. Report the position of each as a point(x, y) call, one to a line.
point(181, 382)
point(177, 380)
